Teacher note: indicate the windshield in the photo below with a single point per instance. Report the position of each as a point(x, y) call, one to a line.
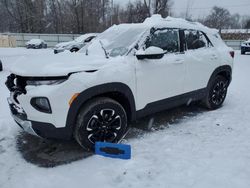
point(116, 41)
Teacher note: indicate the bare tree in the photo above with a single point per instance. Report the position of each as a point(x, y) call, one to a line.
point(219, 18)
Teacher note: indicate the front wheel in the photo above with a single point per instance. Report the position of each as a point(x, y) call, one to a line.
point(101, 119)
point(217, 92)
point(74, 50)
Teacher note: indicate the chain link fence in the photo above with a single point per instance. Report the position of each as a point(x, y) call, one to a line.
point(50, 39)
point(53, 39)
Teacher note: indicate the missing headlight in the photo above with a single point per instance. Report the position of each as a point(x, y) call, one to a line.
point(45, 81)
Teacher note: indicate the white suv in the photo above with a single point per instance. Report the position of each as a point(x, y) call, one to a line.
point(129, 71)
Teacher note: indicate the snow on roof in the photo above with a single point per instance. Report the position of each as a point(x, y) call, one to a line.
point(157, 20)
point(35, 41)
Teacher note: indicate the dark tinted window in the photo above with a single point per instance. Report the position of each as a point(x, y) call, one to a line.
point(195, 40)
point(166, 39)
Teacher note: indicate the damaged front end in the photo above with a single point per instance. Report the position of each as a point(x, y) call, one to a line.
point(16, 86)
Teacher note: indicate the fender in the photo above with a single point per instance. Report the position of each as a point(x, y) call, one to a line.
point(100, 90)
point(225, 69)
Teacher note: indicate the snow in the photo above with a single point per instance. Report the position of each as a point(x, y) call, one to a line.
point(157, 20)
point(35, 41)
point(183, 147)
point(82, 38)
point(79, 39)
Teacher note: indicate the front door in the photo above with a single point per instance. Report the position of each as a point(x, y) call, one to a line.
point(158, 79)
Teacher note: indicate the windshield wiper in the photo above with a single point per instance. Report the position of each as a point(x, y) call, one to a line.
point(105, 51)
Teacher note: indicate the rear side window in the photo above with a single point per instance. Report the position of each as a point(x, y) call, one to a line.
point(166, 39)
point(195, 40)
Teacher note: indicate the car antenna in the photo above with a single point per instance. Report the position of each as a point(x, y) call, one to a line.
point(106, 54)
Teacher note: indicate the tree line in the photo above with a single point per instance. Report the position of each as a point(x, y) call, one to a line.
point(83, 16)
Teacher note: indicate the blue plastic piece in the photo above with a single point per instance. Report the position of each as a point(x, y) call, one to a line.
point(121, 151)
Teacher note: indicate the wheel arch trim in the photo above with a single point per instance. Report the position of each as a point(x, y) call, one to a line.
point(97, 91)
point(222, 69)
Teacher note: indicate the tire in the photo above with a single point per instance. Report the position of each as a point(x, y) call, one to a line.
point(217, 91)
point(74, 50)
point(243, 53)
point(100, 119)
point(1, 66)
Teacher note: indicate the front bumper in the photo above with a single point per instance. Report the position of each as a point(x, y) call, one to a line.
point(40, 129)
point(20, 117)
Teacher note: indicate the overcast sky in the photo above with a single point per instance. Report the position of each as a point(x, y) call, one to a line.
point(200, 8)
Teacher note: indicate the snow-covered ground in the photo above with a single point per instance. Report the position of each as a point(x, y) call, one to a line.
point(204, 150)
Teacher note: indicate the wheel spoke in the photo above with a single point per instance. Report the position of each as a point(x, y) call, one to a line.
point(93, 123)
point(115, 123)
point(104, 126)
point(219, 92)
point(107, 114)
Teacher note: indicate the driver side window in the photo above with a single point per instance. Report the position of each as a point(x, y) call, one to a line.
point(166, 39)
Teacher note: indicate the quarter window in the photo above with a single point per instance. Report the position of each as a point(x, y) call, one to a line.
point(195, 40)
point(166, 39)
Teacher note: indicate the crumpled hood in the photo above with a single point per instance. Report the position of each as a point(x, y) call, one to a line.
point(56, 65)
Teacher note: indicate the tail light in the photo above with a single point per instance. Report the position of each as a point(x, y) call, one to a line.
point(232, 54)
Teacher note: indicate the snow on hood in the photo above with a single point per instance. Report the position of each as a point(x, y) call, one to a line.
point(56, 65)
point(63, 44)
point(78, 40)
point(34, 41)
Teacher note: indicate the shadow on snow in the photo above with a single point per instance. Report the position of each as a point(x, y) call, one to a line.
point(52, 153)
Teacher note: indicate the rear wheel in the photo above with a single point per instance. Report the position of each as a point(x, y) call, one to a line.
point(1, 66)
point(101, 119)
point(217, 92)
point(242, 52)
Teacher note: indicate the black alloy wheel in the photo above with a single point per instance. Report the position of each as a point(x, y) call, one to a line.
point(217, 93)
point(104, 126)
point(101, 119)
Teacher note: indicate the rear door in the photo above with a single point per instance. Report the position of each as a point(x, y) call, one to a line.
point(201, 60)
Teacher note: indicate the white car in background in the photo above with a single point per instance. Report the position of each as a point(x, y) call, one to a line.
point(36, 44)
point(129, 71)
point(75, 45)
point(245, 47)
